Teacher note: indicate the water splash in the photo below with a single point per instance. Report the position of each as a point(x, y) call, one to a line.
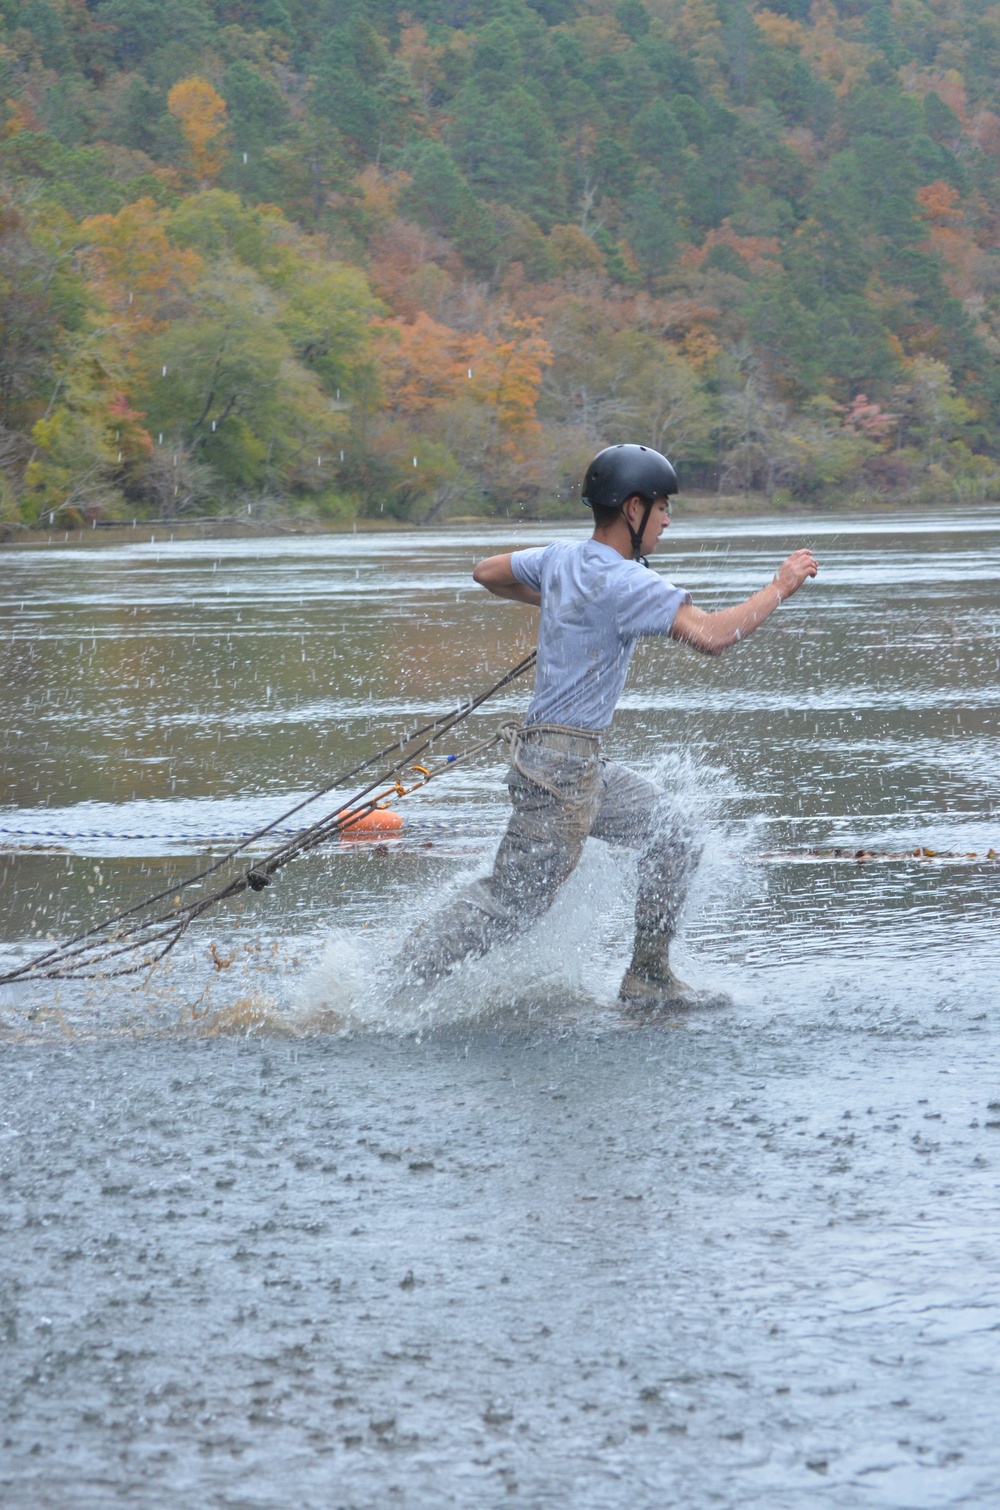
point(565, 968)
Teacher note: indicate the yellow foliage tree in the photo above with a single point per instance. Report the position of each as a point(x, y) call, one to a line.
point(574, 251)
point(18, 119)
point(827, 45)
point(781, 31)
point(201, 112)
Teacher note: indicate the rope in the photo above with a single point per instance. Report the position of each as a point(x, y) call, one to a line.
point(113, 947)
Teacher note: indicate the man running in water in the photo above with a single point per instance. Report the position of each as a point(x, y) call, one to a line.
point(597, 598)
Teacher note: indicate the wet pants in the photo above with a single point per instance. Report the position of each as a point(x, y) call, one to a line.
point(564, 792)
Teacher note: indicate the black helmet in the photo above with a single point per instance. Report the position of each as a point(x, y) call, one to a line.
point(622, 472)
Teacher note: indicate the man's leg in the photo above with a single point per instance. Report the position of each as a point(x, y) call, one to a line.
point(543, 842)
point(638, 814)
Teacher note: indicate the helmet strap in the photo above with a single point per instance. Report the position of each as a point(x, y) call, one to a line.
point(637, 534)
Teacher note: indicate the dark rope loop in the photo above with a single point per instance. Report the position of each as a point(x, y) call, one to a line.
point(109, 948)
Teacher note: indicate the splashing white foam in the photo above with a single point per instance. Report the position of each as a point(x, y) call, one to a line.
point(337, 986)
point(566, 966)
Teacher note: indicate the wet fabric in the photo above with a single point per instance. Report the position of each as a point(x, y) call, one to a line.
point(563, 792)
point(595, 605)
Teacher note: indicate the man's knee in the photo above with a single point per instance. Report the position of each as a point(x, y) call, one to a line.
point(535, 857)
point(525, 888)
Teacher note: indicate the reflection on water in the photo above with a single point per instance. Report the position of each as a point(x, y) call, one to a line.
point(493, 1246)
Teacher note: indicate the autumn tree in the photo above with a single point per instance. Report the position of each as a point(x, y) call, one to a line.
point(425, 363)
point(508, 375)
point(201, 112)
point(142, 276)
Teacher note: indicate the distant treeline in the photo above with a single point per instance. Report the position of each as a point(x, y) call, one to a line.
point(343, 258)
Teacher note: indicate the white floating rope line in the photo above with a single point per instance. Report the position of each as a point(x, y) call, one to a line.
point(221, 837)
point(843, 853)
point(922, 854)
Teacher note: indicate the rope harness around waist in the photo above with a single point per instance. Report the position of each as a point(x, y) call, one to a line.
point(562, 739)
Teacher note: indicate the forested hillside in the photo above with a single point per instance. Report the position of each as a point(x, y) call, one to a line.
point(341, 258)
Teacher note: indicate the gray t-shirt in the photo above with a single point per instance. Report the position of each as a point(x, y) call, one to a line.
point(595, 605)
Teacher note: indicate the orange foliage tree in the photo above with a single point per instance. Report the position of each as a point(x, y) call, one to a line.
point(425, 364)
point(132, 262)
point(461, 403)
point(510, 375)
point(940, 206)
point(939, 202)
point(201, 112)
point(755, 251)
point(126, 430)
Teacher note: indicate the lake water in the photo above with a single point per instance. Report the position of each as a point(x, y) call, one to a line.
point(269, 1239)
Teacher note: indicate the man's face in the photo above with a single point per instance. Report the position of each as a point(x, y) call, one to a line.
point(659, 518)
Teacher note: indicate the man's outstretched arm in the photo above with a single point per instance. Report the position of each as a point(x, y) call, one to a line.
point(496, 576)
point(712, 633)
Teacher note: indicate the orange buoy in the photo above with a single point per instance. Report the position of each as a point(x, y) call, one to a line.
point(375, 824)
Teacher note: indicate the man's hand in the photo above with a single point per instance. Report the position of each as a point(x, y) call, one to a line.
point(793, 572)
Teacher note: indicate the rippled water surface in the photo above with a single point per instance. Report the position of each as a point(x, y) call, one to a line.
point(269, 1237)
